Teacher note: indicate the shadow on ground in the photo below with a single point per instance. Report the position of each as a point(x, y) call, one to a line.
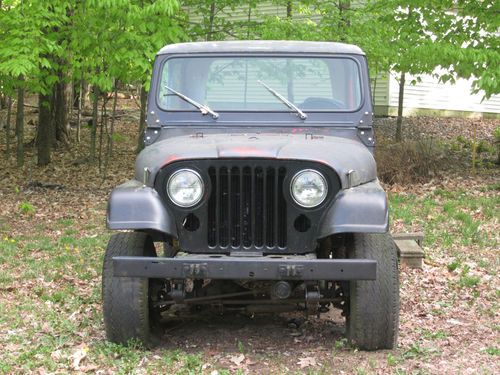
point(259, 333)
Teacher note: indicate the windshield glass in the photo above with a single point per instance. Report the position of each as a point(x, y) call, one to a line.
point(234, 83)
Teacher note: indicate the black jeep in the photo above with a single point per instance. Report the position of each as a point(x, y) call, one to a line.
point(258, 178)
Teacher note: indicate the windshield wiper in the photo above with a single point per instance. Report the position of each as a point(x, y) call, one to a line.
point(287, 102)
point(204, 109)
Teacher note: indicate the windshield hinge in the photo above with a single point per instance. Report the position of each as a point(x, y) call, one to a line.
point(366, 135)
point(151, 135)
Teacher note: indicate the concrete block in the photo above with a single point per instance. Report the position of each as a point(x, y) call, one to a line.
point(416, 236)
point(410, 253)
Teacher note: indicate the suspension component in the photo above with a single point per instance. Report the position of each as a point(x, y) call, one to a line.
point(281, 290)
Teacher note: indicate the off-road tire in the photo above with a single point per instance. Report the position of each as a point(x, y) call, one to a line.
point(126, 299)
point(372, 320)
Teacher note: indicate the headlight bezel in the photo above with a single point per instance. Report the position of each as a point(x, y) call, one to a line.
point(293, 181)
point(176, 173)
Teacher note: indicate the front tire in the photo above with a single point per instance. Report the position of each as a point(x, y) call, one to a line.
point(373, 305)
point(126, 299)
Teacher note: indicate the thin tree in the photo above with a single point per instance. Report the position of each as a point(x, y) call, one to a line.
point(7, 127)
point(20, 123)
point(45, 123)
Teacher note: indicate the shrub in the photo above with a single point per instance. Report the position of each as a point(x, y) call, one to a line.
point(409, 161)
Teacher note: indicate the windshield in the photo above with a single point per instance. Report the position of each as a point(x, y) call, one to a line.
point(234, 83)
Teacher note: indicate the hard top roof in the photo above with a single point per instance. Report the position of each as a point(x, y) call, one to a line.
point(261, 46)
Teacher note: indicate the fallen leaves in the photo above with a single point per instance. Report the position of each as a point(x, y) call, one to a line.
point(78, 356)
point(237, 359)
point(450, 324)
point(307, 362)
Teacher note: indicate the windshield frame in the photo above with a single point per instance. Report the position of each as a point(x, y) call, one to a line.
point(360, 71)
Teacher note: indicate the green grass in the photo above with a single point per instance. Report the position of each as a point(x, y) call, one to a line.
point(50, 291)
point(433, 335)
point(447, 217)
point(493, 351)
point(54, 288)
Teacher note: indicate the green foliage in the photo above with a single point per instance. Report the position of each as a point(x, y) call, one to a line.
point(99, 41)
point(26, 208)
point(241, 347)
point(466, 280)
point(453, 265)
point(492, 351)
point(129, 35)
point(391, 360)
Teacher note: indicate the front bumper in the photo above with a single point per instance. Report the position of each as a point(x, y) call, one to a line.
point(245, 268)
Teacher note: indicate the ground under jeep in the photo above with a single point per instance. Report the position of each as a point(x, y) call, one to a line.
point(256, 191)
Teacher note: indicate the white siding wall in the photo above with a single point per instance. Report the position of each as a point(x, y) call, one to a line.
point(431, 94)
point(381, 93)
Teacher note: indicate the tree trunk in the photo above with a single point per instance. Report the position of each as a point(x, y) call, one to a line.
point(61, 119)
point(109, 151)
point(93, 131)
point(374, 90)
point(45, 123)
point(289, 9)
point(85, 94)
point(142, 119)
point(112, 125)
point(79, 116)
point(344, 7)
point(211, 19)
point(20, 124)
point(3, 101)
point(7, 127)
point(53, 140)
point(474, 148)
point(399, 121)
point(104, 124)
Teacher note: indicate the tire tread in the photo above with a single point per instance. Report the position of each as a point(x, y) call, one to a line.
point(373, 318)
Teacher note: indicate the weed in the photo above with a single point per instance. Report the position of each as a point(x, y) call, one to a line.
point(434, 335)
point(191, 364)
point(492, 351)
point(340, 344)
point(467, 281)
point(454, 265)
point(66, 222)
point(26, 208)
point(491, 187)
point(117, 137)
point(391, 360)
point(415, 351)
point(241, 347)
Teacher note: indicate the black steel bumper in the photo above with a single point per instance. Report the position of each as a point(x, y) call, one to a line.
point(249, 268)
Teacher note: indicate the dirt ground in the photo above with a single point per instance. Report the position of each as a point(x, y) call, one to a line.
point(50, 314)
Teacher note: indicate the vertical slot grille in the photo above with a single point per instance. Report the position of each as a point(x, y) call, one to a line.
point(246, 207)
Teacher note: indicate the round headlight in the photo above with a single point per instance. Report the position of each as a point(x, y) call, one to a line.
point(185, 188)
point(309, 188)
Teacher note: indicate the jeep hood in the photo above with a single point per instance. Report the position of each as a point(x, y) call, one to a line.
point(343, 155)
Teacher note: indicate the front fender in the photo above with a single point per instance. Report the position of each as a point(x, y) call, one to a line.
point(135, 206)
point(363, 208)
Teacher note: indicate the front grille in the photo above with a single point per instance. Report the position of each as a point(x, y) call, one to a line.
point(246, 207)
